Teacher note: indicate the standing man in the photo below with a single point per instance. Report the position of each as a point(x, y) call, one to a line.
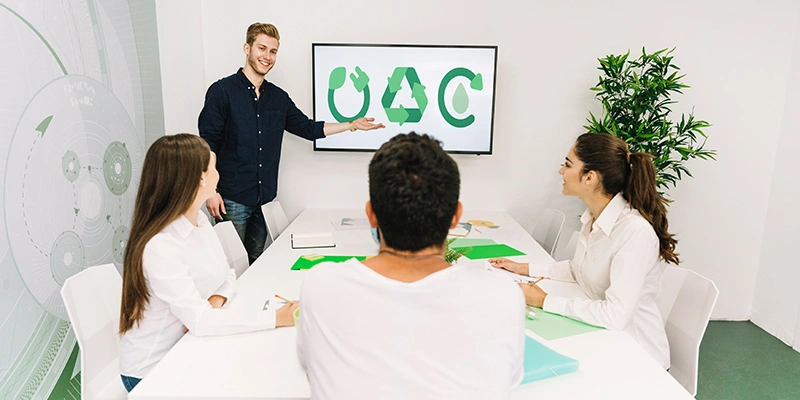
point(243, 120)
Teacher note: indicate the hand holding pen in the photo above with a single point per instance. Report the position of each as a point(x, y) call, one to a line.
point(283, 315)
point(534, 295)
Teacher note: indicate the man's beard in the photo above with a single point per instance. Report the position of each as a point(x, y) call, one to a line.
point(256, 66)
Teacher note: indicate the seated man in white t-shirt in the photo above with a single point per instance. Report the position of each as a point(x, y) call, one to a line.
point(406, 324)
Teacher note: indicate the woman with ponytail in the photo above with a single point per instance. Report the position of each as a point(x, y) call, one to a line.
point(623, 241)
point(175, 275)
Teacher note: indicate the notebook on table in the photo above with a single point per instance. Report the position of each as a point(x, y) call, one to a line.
point(312, 240)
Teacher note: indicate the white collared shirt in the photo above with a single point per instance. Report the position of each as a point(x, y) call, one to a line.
point(183, 266)
point(617, 265)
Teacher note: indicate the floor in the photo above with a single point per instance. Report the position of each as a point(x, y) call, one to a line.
point(739, 360)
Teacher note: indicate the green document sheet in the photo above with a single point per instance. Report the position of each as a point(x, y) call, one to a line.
point(490, 251)
point(302, 263)
point(542, 362)
point(554, 326)
point(470, 242)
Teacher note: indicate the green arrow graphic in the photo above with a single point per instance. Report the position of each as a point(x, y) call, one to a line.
point(42, 127)
point(396, 79)
point(399, 115)
point(461, 98)
point(418, 94)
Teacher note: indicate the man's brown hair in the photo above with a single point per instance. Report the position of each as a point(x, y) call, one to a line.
point(258, 28)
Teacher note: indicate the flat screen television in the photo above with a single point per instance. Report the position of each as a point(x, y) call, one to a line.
point(447, 92)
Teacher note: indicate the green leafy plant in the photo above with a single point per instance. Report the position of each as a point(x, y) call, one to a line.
point(451, 255)
point(636, 98)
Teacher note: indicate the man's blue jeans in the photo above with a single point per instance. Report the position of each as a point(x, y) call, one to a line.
point(129, 382)
point(250, 225)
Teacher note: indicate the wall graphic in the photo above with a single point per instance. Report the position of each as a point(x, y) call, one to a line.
point(81, 93)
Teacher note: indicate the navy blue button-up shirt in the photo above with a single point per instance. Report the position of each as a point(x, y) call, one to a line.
point(246, 132)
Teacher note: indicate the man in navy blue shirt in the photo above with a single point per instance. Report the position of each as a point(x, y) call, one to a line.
point(243, 120)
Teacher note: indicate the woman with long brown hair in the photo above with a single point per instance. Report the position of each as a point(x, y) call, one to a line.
point(175, 275)
point(623, 241)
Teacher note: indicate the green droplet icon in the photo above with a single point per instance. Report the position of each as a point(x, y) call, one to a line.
point(460, 99)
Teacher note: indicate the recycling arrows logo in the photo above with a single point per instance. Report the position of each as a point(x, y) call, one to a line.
point(401, 114)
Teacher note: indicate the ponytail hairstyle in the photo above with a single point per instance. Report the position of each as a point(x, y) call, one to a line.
point(171, 175)
point(632, 174)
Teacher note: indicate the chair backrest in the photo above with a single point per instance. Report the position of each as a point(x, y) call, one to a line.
point(233, 247)
point(686, 300)
point(92, 299)
point(275, 217)
point(565, 251)
point(548, 229)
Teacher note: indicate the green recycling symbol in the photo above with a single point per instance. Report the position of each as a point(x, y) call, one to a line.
point(360, 82)
point(401, 114)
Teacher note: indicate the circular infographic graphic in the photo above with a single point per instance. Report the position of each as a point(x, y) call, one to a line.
point(117, 168)
point(66, 256)
point(80, 119)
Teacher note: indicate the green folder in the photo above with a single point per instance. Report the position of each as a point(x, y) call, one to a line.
point(490, 251)
point(542, 362)
point(303, 263)
point(554, 326)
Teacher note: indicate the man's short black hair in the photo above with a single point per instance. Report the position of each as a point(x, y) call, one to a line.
point(413, 188)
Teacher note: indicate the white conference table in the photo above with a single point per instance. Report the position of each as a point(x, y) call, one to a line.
point(264, 365)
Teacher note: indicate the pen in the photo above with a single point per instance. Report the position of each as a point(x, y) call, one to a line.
point(536, 281)
point(284, 299)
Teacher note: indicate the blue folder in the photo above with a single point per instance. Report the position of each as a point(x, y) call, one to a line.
point(541, 362)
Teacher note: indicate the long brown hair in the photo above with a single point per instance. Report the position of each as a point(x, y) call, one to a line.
point(171, 175)
point(633, 174)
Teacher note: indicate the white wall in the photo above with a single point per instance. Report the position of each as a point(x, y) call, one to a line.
point(180, 39)
point(737, 58)
point(777, 299)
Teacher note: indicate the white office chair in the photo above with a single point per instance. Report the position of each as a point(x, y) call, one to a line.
point(92, 299)
point(565, 251)
point(548, 229)
point(686, 300)
point(275, 217)
point(233, 247)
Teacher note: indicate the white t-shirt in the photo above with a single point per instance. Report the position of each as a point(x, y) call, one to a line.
point(617, 265)
point(456, 334)
point(183, 266)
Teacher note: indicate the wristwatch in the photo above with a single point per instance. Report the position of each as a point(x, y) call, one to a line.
point(352, 127)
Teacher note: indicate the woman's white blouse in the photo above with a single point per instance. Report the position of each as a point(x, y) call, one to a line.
point(183, 266)
point(617, 265)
